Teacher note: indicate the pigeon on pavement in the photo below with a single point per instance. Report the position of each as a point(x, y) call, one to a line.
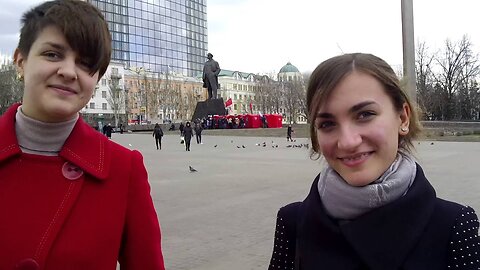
point(191, 169)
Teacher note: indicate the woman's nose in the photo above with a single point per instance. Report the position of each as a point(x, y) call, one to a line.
point(349, 138)
point(67, 69)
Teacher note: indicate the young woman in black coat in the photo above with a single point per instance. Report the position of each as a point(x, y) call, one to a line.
point(158, 134)
point(371, 206)
point(187, 133)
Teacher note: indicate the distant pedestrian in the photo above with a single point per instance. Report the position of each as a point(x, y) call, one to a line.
point(181, 127)
point(121, 128)
point(198, 133)
point(158, 134)
point(172, 127)
point(289, 133)
point(187, 133)
point(107, 131)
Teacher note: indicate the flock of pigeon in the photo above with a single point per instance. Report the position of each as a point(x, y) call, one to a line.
point(273, 145)
point(264, 144)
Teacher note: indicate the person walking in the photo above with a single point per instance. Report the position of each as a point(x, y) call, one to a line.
point(181, 128)
point(69, 197)
point(198, 133)
point(371, 206)
point(289, 133)
point(187, 134)
point(108, 130)
point(158, 134)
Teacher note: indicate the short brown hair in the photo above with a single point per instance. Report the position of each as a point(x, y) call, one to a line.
point(82, 24)
point(332, 71)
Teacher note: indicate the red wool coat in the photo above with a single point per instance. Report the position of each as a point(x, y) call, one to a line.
point(85, 209)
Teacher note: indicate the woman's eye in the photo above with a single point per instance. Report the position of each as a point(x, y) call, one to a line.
point(325, 124)
point(86, 65)
point(365, 115)
point(52, 55)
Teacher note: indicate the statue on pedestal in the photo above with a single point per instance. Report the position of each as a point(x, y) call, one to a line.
point(211, 69)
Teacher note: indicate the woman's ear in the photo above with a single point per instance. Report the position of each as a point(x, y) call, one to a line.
point(19, 60)
point(404, 119)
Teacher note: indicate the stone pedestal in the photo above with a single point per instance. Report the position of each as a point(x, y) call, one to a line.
point(209, 107)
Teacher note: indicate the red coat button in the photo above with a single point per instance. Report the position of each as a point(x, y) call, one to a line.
point(71, 171)
point(27, 264)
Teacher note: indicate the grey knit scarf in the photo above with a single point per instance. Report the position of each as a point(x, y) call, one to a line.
point(346, 202)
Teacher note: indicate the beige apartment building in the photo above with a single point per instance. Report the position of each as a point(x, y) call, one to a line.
point(160, 98)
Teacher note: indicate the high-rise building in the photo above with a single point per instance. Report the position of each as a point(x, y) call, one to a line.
point(159, 35)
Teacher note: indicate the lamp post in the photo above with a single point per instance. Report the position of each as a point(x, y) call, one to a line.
point(409, 48)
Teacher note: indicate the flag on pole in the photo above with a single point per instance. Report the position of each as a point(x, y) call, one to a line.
point(228, 103)
point(251, 110)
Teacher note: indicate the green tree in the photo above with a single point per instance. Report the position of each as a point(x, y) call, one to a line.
point(11, 88)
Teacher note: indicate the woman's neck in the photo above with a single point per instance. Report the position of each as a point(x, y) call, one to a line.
point(40, 138)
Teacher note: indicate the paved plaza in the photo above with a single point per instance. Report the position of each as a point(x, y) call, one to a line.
point(223, 216)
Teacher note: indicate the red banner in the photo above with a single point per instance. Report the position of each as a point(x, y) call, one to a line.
point(228, 103)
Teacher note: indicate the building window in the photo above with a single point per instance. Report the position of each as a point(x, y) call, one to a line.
point(92, 105)
point(104, 106)
point(104, 94)
point(234, 96)
point(104, 82)
point(235, 106)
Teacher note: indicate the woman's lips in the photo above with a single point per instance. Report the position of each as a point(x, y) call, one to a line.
point(355, 160)
point(63, 89)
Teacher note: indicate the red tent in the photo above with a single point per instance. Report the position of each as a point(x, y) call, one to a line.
point(252, 121)
point(274, 120)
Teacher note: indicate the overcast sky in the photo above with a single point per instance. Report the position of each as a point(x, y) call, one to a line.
point(261, 36)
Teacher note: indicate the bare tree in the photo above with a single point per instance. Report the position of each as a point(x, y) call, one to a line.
point(425, 91)
point(264, 91)
point(116, 96)
point(457, 65)
point(11, 88)
point(292, 90)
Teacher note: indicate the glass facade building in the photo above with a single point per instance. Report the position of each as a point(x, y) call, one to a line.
point(158, 35)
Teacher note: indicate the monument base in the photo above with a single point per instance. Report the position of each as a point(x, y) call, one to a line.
point(209, 107)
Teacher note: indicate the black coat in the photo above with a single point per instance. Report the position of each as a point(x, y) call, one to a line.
point(187, 133)
point(157, 132)
point(417, 231)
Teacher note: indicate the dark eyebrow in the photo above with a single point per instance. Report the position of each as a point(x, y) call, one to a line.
point(359, 106)
point(56, 46)
point(355, 108)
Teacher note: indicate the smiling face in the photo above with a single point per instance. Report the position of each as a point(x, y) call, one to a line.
point(358, 129)
point(57, 80)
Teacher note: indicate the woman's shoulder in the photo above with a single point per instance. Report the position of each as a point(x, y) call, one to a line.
point(451, 209)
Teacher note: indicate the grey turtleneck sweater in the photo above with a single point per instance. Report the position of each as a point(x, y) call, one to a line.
point(40, 138)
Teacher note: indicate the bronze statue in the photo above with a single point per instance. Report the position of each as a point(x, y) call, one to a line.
point(211, 69)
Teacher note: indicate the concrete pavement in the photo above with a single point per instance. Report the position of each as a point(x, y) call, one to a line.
point(223, 216)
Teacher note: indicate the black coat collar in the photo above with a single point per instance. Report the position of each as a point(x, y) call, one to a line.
point(380, 239)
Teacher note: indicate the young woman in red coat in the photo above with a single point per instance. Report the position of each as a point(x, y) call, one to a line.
point(371, 206)
point(69, 197)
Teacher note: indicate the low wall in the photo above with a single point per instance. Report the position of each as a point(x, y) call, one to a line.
point(431, 128)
